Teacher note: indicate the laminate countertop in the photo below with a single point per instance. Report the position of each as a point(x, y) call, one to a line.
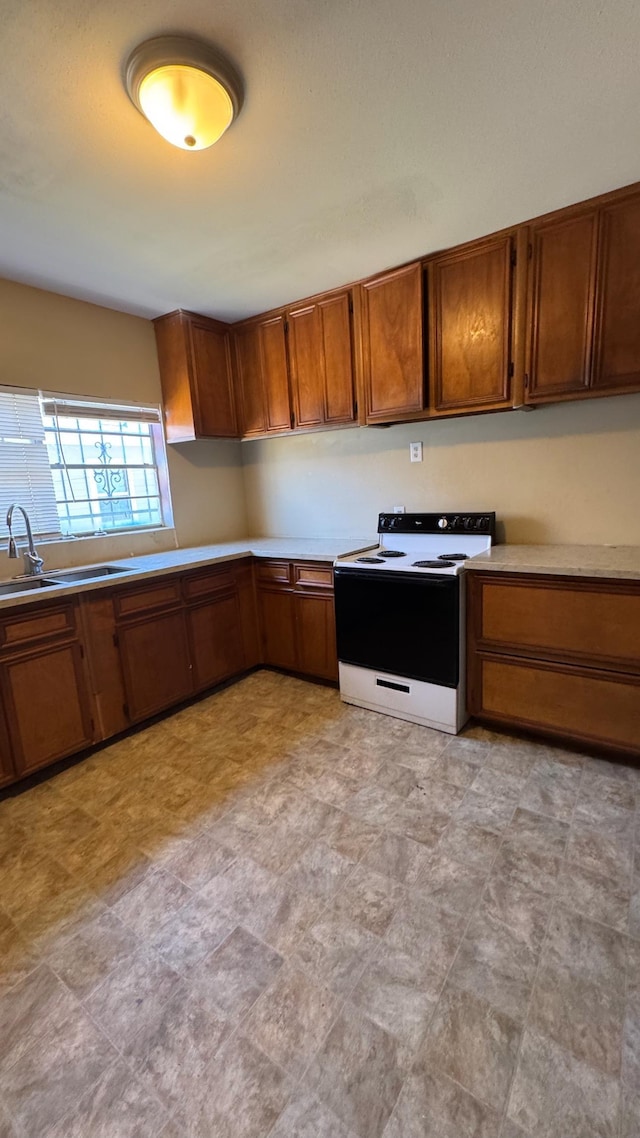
point(617, 562)
point(133, 569)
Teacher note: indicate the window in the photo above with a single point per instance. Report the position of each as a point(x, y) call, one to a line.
point(80, 467)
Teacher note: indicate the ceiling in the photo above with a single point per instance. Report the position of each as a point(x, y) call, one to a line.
point(372, 132)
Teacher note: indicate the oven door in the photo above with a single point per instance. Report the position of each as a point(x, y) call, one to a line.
point(406, 624)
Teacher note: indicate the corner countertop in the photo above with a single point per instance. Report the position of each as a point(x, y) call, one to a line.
point(173, 560)
point(617, 562)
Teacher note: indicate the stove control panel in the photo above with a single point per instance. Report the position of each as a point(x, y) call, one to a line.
point(483, 524)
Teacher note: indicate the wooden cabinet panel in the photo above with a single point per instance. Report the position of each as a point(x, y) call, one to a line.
point(47, 704)
point(213, 383)
point(7, 772)
point(155, 662)
point(561, 298)
point(194, 358)
point(470, 294)
point(20, 629)
point(277, 622)
point(617, 356)
point(103, 663)
point(215, 640)
point(392, 345)
point(321, 360)
point(262, 374)
point(310, 576)
point(198, 585)
point(581, 704)
point(145, 598)
point(251, 640)
point(572, 621)
point(271, 571)
point(316, 636)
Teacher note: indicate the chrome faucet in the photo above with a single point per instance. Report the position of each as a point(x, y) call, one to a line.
point(32, 561)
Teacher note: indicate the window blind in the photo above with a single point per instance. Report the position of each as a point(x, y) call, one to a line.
point(25, 474)
point(77, 408)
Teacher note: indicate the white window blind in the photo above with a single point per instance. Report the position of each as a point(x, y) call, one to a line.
point(25, 473)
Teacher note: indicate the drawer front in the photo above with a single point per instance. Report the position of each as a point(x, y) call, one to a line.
point(131, 602)
point(310, 576)
point(203, 584)
point(274, 572)
point(42, 623)
point(589, 707)
point(590, 624)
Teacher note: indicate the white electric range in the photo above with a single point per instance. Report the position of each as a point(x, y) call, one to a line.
point(400, 612)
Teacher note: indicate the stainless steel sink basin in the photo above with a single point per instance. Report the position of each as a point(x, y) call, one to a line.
point(9, 588)
point(72, 576)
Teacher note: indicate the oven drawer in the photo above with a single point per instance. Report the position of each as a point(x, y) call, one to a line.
point(404, 624)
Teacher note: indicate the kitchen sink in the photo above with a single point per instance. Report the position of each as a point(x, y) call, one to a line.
point(8, 588)
point(72, 576)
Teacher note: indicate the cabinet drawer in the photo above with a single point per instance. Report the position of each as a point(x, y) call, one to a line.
point(203, 584)
point(586, 706)
point(39, 624)
point(271, 572)
point(583, 623)
point(313, 576)
point(130, 602)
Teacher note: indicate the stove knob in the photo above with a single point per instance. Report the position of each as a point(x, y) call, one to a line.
point(443, 523)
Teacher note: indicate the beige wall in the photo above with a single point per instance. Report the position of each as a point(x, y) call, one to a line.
point(54, 343)
point(569, 473)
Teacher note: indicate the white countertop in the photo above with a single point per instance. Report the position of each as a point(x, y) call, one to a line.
point(158, 564)
point(618, 562)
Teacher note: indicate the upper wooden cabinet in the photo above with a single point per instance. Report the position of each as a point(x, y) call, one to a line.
point(262, 375)
point(584, 299)
point(321, 362)
point(471, 327)
point(195, 371)
point(562, 264)
point(391, 329)
point(616, 364)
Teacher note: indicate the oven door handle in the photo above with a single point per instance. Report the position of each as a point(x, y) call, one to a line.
point(389, 576)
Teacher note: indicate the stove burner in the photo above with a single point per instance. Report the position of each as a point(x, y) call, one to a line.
point(371, 560)
point(391, 553)
point(452, 556)
point(440, 564)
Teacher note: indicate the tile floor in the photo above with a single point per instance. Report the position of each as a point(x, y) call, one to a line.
point(271, 914)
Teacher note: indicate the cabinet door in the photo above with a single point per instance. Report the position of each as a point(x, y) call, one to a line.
point(155, 663)
point(617, 354)
point(215, 638)
point(213, 384)
point(392, 345)
point(277, 622)
point(321, 359)
point(47, 705)
point(7, 773)
point(195, 371)
point(470, 294)
point(316, 636)
point(560, 312)
point(263, 378)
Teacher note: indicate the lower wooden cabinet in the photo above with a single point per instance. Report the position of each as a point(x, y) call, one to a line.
point(297, 618)
point(155, 663)
point(557, 655)
point(44, 685)
point(316, 636)
point(7, 771)
point(215, 640)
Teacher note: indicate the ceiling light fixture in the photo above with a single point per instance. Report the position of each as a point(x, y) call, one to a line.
point(186, 89)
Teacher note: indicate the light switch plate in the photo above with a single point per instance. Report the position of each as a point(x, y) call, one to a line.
point(415, 450)
point(398, 509)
